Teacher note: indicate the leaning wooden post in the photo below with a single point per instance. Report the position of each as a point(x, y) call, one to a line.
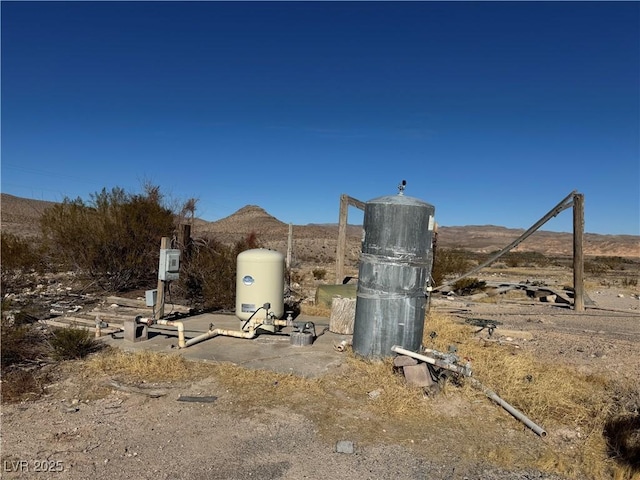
point(578, 258)
point(164, 244)
point(342, 238)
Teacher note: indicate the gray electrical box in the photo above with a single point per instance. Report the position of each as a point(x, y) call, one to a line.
point(169, 267)
point(151, 297)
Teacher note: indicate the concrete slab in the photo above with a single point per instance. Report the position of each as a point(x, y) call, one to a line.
point(267, 351)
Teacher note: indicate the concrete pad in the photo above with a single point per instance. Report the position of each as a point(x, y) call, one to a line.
point(267, 351)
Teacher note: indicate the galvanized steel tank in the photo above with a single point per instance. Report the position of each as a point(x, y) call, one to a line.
point(395, 267)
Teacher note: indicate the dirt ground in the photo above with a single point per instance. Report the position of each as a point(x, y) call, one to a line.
point(81, 429)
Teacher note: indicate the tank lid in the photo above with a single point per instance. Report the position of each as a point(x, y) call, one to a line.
point(400, 199)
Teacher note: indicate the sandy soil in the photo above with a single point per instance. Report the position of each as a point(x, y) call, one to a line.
point(117, 434)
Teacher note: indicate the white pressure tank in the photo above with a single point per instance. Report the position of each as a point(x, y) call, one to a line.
point(259, 280)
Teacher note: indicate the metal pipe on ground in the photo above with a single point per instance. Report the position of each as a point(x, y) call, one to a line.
point(466, 371)
point(509, 408)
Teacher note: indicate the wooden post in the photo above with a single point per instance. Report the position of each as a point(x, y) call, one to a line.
point(343, 315)
point(164, 244)
point(342, 238)
point(578, 257)
point(289, 246)
point(184, 239)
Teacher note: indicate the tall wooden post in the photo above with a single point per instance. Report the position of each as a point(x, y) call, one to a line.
point(578, 257)
point(289, 246)
point(184, 239)
point(342, 238)
point(164, 244)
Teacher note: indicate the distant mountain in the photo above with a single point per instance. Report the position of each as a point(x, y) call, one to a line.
point(21, 216)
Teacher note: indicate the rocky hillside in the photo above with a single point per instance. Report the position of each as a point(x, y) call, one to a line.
point(20, 216)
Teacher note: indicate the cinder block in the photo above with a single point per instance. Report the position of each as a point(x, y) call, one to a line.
point(135, 332)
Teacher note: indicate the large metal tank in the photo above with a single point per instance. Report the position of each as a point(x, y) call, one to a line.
point(395, 267)
point(259, 280)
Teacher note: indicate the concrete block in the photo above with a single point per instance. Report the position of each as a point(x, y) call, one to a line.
point(134, 332)
point(404, 360)
point(418, 375)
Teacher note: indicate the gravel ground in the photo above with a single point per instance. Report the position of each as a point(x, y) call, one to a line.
point(131, 436)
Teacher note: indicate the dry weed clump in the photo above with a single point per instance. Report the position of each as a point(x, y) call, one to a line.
point(146, 366)
point(552, 395)
point(315, 310)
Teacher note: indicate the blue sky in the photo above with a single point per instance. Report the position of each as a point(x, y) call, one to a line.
point(492, 112)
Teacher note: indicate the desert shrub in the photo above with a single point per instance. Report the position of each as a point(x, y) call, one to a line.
point(448, 262)
point(208, 274)
point(21, 342)
point(469, 286)
point(19, 258)
point(527, 259)
point(19, 385)
point(594, 267)
point(73, 343)
point(23, 346)
point(114, 237)
point(612, 263)
point(19, 253)
point(319, 273)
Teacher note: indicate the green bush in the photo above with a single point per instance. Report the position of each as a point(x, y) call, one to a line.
point(114, 237)
point(73, 343)
point(469, 286)
point(319, 273)
point(449, 262)
point(526, 259)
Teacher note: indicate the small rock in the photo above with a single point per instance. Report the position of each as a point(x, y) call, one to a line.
point(374, 394)
point(345, 446)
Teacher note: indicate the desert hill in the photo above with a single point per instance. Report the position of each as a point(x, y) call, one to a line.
point(20, 216)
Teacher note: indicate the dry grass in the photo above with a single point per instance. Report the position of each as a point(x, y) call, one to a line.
point(146, 366)
point(368, 403)
point(553, 395)
point(316, 310)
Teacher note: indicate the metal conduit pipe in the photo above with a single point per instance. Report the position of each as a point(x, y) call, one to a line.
point(509, 408)
point(466, 370)
point(489, 393)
